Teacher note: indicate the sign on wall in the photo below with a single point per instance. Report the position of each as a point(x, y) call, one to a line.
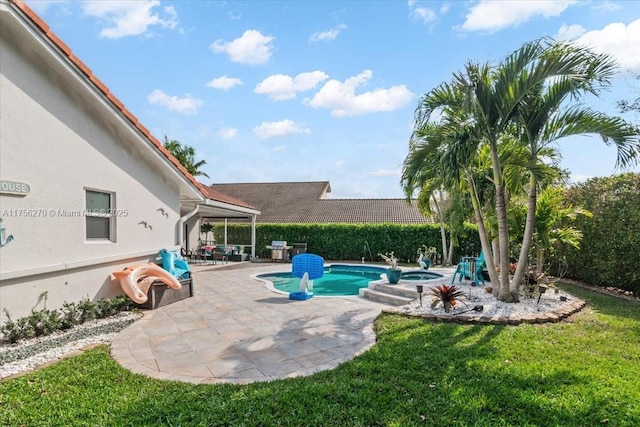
point(17, 188)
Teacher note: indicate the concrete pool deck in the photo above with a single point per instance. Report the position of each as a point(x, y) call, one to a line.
point(235, 330)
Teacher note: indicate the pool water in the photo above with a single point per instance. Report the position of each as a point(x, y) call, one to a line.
point(420, 275)
point(338, 280)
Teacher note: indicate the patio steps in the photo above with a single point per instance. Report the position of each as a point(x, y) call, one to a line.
point(388, 294)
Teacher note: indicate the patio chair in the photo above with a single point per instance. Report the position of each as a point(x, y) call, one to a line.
point(220, 252)
point(187, 254)
point(471, 268)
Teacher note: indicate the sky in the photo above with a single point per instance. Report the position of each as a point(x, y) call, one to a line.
point(281, 91)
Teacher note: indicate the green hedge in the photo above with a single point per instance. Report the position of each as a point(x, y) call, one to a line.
point(350, 242)
point(609, 254)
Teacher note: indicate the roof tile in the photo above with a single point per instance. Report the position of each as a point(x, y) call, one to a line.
point(302, 202)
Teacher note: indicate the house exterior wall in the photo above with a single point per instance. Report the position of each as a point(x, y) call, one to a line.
point(60, 139)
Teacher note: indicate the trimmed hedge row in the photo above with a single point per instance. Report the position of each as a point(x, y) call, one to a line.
point(351, 242)
point(609, 254)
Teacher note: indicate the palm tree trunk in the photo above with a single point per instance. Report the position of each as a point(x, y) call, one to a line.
point(482, 233)
point(443, 234)
point(495, 247)
point(450, 255)
point(523, 259)
point(503, 231)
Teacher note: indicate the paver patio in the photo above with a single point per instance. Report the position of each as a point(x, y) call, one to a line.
point(235, 330)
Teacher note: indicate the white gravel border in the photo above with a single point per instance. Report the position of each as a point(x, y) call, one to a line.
point(56, 352)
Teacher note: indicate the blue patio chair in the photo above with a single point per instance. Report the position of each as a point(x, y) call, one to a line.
point(464, 269)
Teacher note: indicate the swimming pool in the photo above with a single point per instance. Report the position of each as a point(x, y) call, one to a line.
point(338, 280)
point(341, 279)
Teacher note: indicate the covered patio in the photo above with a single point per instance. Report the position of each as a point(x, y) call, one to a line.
point(217, 208)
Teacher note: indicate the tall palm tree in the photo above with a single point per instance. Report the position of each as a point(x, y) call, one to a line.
point(494, 99)
point(543, 119)
point(186, 155)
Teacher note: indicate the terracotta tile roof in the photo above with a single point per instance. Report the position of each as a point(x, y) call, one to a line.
point(300, 202)
point(218, 196)
point(117, 104)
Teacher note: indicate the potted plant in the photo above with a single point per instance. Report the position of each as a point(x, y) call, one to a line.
point(393, 272)
point(425, 256)
point(447, 295)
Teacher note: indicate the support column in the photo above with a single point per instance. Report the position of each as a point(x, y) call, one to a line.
point(253, 236)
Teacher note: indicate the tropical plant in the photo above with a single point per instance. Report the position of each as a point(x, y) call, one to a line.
point(519, 100)
point(186, 155)
point(447, 295)
point(390, 259)
point(426, 252)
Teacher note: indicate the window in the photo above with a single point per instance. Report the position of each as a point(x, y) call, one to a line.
point(99, 215)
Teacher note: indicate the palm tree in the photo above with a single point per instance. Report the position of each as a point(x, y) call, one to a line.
point(543, 119)
point(495, 104)
point(186, 156)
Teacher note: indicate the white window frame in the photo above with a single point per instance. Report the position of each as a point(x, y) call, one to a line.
point(95, 214)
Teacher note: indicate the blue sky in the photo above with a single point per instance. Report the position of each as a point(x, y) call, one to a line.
point(270, 91)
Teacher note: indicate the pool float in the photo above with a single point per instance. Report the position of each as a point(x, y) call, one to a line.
point(175, 264)
point(136, 280)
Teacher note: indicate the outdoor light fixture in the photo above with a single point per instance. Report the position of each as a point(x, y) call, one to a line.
point(419, 288)
point(541, 290)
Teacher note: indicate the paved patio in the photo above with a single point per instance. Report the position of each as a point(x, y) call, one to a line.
point(234, 330)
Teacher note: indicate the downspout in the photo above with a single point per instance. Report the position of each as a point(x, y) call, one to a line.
point(184, 219)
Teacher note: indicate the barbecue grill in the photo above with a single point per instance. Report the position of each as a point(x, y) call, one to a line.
point(298, 248)
point(279, 250)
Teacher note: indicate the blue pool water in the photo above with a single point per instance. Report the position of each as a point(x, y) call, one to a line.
point(420, 275)
point(341, 279)
point(338, 280)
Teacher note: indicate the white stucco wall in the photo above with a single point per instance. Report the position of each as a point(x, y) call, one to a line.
point(56, 137)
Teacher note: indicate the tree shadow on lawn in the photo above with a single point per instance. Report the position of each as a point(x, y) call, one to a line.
point(419, 373)
point(436, 374)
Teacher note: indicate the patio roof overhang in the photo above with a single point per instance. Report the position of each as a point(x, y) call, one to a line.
point(220, 210)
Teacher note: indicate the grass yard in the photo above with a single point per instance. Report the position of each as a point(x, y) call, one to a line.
point(584, 372)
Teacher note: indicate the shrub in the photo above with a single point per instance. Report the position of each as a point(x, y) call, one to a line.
point(608, 254)
point(44, 322)
point(350, 241)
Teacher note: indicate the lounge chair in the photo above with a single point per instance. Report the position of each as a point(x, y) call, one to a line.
point(471, 268)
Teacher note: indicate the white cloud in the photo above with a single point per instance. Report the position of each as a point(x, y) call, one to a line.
point(251, 48)
point(130, 18)
point(386, 172)
point(278, 148)
point(606, 6)
point(280, 87)
point(186, 105)
point(282, 128)
point(620, 41)
point(569, 32)
point(224, 83)
point(327, 35)
point(227, 133)
point(492, 16)
point(340, 163)
point(424, 14)
point(445, 8)
point(341, 98)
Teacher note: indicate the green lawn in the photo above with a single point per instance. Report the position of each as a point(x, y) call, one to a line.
point(584, 372)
